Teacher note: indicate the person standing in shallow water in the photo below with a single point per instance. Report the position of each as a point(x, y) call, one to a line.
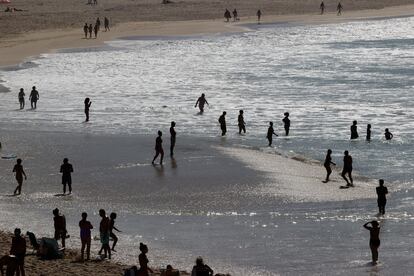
point(242, 124)
point(19, 173)
point(270, 133)
point(286, 122)
point(66, 169)
point(158, 148)
point(327, 165)
point(374, 241)
point(34, 97)
point(347, 169)
point(222, 121)
point(388, 135)
point(354, 130)
point(87, 103)
point(172, 138)
point(368, 132)
point(21, 98)
point(201, 102)
point(382, 191)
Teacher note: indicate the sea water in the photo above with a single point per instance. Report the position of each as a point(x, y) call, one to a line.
point(325, 76)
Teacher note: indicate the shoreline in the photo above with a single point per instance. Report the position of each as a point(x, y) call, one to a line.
point(20, 48)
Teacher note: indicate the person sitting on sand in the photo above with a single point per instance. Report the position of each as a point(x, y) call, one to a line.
point(87, 103)
point(354, 130)
point(95, 30)
point(259, 15)
point(347, 169)
point(106, 24)
point(322, 7)
point(201, 101)
point(222, 121)
point(227, 15)
point(90, 30)
point(104, 233)
point(18, 249)
point(158, 148)
point(85, 235)
point(270, 133)
point(59, 222)
point(286, 123)
point(382, 191)
point(368, 132)
point(19, 173)
point(34, 97)
point(374, 241)
point(241, 123)
point(143, 261)
point(339, 8)
point(85, 30)
point(201, 269)
point(173, 135)
point(66, 169)
point(112, 227)
point(327, 165)
point(235, 15)
point(21, 98)
point(388, 135)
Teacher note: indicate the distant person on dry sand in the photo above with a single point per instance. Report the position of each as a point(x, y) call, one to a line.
point(354, 130)
point(270, 133)
point(347, 169)
point(19, 173)
point(222, 121)
point(98, 23)
point(368, 132)
point(327, 164)
point(34, 97)
point(259, 16)
point(173, 134)
point(143, 261)
point(104, 234)
point(382, 191)
point(339, 8)
point(241, 123)
point(85, 235)
point(201, 269)
point(286, 123)
point(18, 249)
point(322, 7)
point(112, 227)
point(106, 24)
point(66, 169)
point(235, 15)
point(374, 241)
point(21, 98)
point(158, 148)
point(95, 30)
point(85, 30)
point(201, 101)
point(388, 135)
point(227, 15)
point(59, 222)
point(90, 29)
point(87, 103)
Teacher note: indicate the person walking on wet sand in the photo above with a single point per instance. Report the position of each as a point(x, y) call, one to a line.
point(382, 191)
point(201, 101)
point(111, 230)
point(368, 132)
point(34, 97)
point(95, 30)
point(354, 130)
point(90, 29)
point(388, 135)
point(59, 222)
point(327, 165)
point(227, 15)
point(143, 261)
point(21, 98)
point(158, 148)
point(104, 234)
point(19, 173)
point(241, 123)
point(18, 249)
point(172, 138)
point(85, 30)
point(270, 133)
point(66, 169)
point(374, 241)
point(322, 7)
point(98, 23)
point(235, 15)
point(222, 121)
point(347, 169)
point(286, 122)
point(106, 24)
point(259, 15)
point(87, 103)
point(85, 235)
point(339, 9)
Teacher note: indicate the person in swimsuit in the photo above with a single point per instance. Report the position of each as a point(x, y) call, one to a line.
point(354, 130)
point(66, 169)
point(172, 138)
point(388, 135)
point(222, 121)
point(34, 97)
point(158, 148)
point(85, 235)
point(59, 222)
point(347, 169)
point(112, 228)
point(104, 234)
point(201, 102)
point(374, 241)
point(286, 122)
point(87, 103)
point(143, 261)
point(19, 173)
point(369, 132)
point(382, 191)
point(327, 165)
point(21, 98)
point(270, 133)
point(241, 123)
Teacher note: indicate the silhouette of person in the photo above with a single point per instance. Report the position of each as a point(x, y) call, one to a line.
point(327, 165)
point(87, 103)
point(227, 15)
point(21, 98)
point(104, 233)
point(201, 269)
point(382, 199)
point(354, 130)
point(158, 148)
point(66, 169)
point(106, 24)
point(286, 122)
point(85, 235)
point(95, 2)
point(172, 138)
point(322, 7)
point(369, 132)
point(374, 241)
point(259, 16)
point(242, 124)
point(235, 18)
point(34, 97)
point(19, 173)
point(111, 230)
point(270, 133)
point(85, 30)
point(339, 8)
point(59, 222)
point(18, 249)
point(95, 30)
point(388, 134)
point(98, 23)
point(347, 169)
point(90, 30)
point(201, 102)
point(143, 261)
point(222, 121)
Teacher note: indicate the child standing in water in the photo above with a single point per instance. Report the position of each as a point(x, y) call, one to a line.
point(270, 133)
point(327, 165)
point(19, 172)
point(368, 132)
point(87, 103)
point(388, 134)
point(286, 122)
point(111, 230)
point(374, 241)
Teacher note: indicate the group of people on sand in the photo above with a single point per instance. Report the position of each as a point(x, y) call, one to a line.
point(227, 15)
point(92, 2)
point(88, 29)
point(339, 8)
point(33, 98)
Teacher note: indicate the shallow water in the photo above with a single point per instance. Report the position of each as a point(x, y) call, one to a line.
point(326, 76)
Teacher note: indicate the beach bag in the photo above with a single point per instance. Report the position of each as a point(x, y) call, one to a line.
point(133, 271)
